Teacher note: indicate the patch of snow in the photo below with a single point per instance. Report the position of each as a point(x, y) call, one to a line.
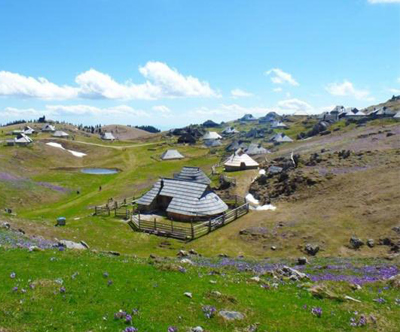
point(59, 146)
point(262, 172)
point(255, 204)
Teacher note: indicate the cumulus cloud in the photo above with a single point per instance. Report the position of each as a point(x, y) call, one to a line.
point(278, 76)
point(161, 82)
point(238, 93)
point(294, 106)
point(277, 90)
point(347, 89)
point(383, 1)
point(162, 109)
point(73, 110)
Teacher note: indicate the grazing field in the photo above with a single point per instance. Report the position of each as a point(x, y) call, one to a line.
point(73, 291)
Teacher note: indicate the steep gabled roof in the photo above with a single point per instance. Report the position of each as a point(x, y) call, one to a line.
point(192, 174)
point(239, 158)
point(212, 143)
point(48, 127)
point(171, 154)
point(60, 133)
point(212, 135)
point(230, 130)
point(236, 145)
point(280, 138)
point(107, 136)
point(255, 149)
point(22, 139)
point(188, 198)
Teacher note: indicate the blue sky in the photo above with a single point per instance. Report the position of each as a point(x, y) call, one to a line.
point(170, 63)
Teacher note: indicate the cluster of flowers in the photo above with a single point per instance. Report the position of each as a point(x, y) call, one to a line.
point(172, 329)
point(361, 321)
point(316, 311)
point(209, 311)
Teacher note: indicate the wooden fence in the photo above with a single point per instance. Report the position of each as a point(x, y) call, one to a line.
point(186, 231)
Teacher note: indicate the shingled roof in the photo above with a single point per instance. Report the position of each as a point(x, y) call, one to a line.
point(188, 198)
point(255, 149)
point(192, 174)
point(171, 154)
point(240, 160)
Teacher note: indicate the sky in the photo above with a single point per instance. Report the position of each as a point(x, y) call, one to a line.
point(169, 63)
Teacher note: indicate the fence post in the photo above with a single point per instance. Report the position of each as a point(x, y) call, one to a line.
point(223, 219)
point(209, 225)
point(236, 213)
point(191, 224)
point(172, 226)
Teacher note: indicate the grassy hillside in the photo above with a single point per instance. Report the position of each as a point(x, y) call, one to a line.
point(70, 291)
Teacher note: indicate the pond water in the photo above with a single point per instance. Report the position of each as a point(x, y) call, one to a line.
point(99, 171)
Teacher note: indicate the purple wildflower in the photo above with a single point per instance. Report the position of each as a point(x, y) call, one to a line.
point(15, 289)
point(31, 286)
point(362, 321)
point(12, 275)
point(62, 289)
point(109, 282)
point(209, 311)
point(135, 312)
point(105, 274)
point(128, 319)
point(130, 329)
point(380, 300)
point(316, 311)
point(172, 329)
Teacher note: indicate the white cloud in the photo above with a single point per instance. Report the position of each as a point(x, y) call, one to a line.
point(278, 76)
point(347, 89)
point(277, 90)
point(383, 1)
point(74, 110)
point(294, 105)
point(161, 82)
point(162, 109)
point(238, 93)
point(395, 91)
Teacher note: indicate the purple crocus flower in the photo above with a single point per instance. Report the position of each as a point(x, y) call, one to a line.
point(15, 289)
point(128, 319)
point(209, 311)
point(172, 329)
point(62, 289)
point(380, 300)
point(135, 312)
point(130, 329)
point(105, 274)
point(120, 315)
point(12, 275)
point(316, 311)
point(109, 282)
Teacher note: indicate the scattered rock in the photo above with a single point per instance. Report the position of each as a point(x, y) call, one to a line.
point(182, 253)
point(223, 255)
point(321, 292)
point(71, 245)
point(114, 253)
point(85, 244)
point(356, 243)
point(290, 273)
point(396, 229)
point(255, 279)
point(370, 243)
point(273, 248)
point(152, 256)
point(395, 281)
point(186, 261)
point(311, 249)
point(193, 252)
point(231, 315)
point(6, 225)
point(188, 294)
point(302, 261)
point(197, 329)
point(349, 298)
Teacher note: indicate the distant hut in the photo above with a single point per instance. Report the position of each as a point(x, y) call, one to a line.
point(28, 130)
point(107, 136)
point(397, 116)
point(186, 138)
point(230, 131)
point(256, 149)
point(60, 134)
point(210, 124)
point(211, 135)
point(236, 145)
point(248, 118)
point(212, 143)
point(192, 174)
point(270, 117)
point(23, 139)
point(182, 200)
point(240, 161)
point(48, 128)
point(278, 125)
point(280, 138)
point(171, 155)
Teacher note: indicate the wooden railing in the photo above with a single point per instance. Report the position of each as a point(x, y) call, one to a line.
point(186, 231)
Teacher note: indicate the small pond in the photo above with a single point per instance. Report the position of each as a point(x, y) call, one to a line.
point(99, 171)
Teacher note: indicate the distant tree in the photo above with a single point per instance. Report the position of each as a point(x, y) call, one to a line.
point(149, 129)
